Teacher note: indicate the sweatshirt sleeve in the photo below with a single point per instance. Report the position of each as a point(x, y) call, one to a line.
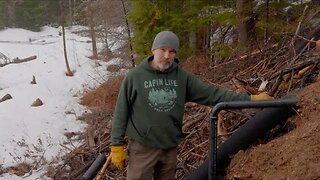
point(121, 114)
point(208, 94)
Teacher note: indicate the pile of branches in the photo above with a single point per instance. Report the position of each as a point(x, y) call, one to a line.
point(97, 140)
point(276, 70)
point(279, 71)
point(278, 74)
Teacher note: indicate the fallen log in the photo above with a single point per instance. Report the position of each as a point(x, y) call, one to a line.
point(18, 60)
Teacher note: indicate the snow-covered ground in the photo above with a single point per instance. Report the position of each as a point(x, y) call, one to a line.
point(35, 135)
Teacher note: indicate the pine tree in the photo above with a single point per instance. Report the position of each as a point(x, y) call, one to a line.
point(150, 17)
point(30, 14)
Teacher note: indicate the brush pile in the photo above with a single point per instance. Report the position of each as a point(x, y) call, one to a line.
point(279, 70)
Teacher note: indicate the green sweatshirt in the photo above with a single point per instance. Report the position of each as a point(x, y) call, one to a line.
point(150, 104)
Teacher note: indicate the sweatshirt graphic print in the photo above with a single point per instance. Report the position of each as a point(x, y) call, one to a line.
point(162, 95)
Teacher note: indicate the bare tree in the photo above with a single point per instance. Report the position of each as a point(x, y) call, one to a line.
point(69, 72)
point(10, 12)
point(266, 32)
point(111, 27)
point(247, 22)
point(90, 18)
point(128, 31)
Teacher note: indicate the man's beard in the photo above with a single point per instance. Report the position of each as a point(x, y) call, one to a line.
point(164, 66)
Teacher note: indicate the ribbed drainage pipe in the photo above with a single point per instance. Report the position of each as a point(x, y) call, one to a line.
point(247, 134)
point(94, 168)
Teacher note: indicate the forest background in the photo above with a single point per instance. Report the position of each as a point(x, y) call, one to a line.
point(220, 29)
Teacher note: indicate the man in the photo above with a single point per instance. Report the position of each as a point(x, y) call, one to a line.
point(150, 109)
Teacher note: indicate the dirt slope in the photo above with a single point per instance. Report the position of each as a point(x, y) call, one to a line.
point(295, 155)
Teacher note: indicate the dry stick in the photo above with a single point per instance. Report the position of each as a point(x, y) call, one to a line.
point(264, 65)
point(295, 67)
point(192, 133)
point(69, 159)
point(103, 169)
point(297, 113)
point(35, 166)
point(309, 40)
point(184, 167)
point(182, 146)
point(297, 30)
point(276, 85)
point(197, 155)
point(192, 121)
point(304, 71)
point(258, 65)
point(255, 52)
point(186, 153)
point(281, 65)
point(301, 52)
point(187, 138)
point(270, 59)
point(290, 83)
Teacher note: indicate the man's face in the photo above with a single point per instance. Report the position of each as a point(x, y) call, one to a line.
point(163, 58)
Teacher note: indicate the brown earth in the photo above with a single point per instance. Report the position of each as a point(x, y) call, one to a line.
point(295, 155)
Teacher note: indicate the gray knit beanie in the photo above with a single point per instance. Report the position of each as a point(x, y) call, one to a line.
point(166, 39)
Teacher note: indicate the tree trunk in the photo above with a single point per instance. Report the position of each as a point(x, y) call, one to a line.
point(92, 30)
point(129, 36)
point(246, 22)
point(10, 13)
point(107, 50)
point(192, 39)
point(316, 2)
point(69, 72)
point(70, 13)
point(266, 35)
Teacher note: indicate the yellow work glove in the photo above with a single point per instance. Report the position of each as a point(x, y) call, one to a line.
point(261, 96)
point(119, 157)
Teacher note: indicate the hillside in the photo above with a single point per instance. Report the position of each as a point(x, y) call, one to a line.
point(294, 155)
point(289, 151)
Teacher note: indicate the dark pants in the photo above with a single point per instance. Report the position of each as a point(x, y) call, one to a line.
point(147, 163)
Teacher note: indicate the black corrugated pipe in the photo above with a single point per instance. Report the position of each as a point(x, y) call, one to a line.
point(94, 168)
point(275, 112)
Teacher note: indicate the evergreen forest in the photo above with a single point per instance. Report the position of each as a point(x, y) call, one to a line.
point(221, 29)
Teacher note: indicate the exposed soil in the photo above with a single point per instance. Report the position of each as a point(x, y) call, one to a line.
point(295, 155)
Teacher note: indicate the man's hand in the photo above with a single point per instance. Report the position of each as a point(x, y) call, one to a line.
point(119, 157)
point(261, 96)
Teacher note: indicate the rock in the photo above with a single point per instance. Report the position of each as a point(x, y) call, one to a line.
point(37, 102)
point(6, 97)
